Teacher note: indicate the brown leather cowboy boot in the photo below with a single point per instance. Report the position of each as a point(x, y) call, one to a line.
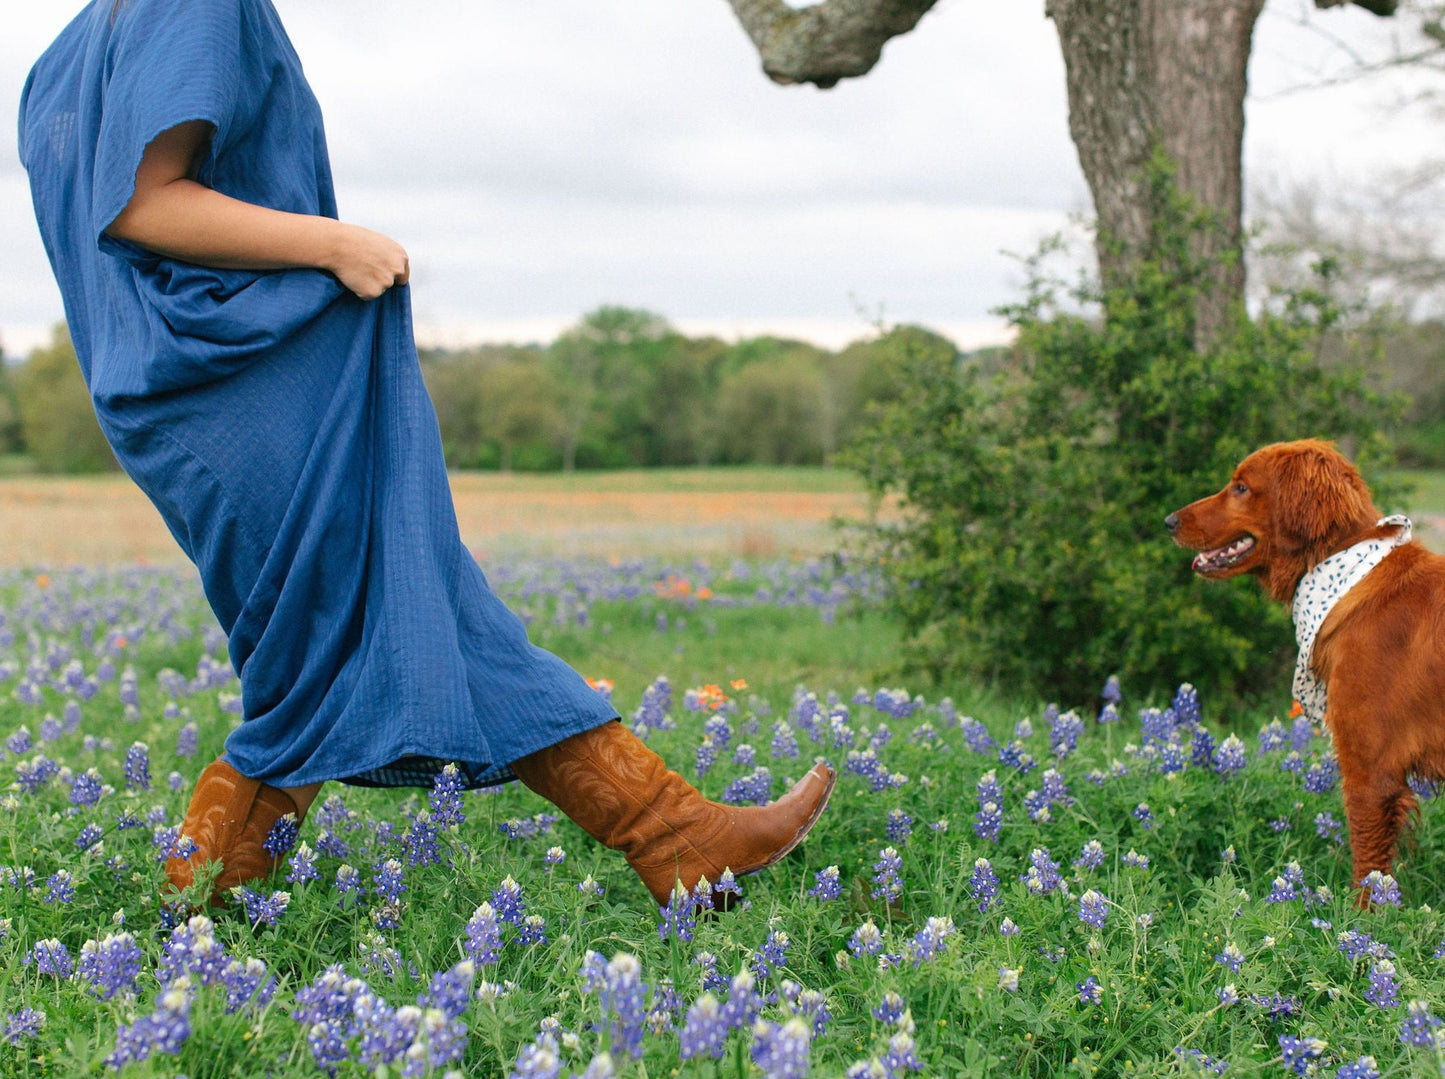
point(228, 819)
point(624, 796)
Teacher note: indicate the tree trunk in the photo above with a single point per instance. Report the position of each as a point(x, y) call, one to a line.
point(1147, 75)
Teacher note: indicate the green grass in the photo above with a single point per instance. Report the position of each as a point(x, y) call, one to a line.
point(1153, 959)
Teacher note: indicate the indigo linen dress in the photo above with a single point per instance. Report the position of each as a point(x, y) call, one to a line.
point(278, 423)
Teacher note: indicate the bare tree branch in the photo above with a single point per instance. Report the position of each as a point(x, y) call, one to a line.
point(832, 40)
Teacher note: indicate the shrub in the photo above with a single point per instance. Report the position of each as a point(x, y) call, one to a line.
point(1031, 549)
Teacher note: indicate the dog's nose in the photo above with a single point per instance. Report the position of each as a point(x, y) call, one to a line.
point(1172, 523)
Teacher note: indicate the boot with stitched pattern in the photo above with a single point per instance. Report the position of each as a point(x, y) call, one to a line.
point(228, 819)
point(623, 795)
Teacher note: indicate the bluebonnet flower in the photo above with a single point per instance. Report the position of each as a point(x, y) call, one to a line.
point(1064, 732)
point(193, 951)
point(1383, 888)
point(138, 767)
point(539, 824)
point(1275, 1005)
point(706, 756)
point(1042, 876)
point(745, 756)
point(1326, 827)
point(538, 1060)
point(780, 1050)
point(1111, 691)
point(1008, 928)
point(348, 882)
point(1272, 737)
point(1135, 860)
point(1300, 1054)
point(1093, 909)
point(87, 789)
point(303, 865)
point(1359, 946)
point(712, 979)
point(262, 909)
point(976, 737)
point(1363, 1068)
point(445, 799)
point(1014, 755)
point(983, 885)
point(1382, 991)
point(928, 941)
point(248, 985)
point(1201, 750)
point(386, 880)
point(188, 740)
point(1090, 991)
point(1419, 1026)
point(1204, 1062)
point(622, 997)
point(1143, 814)
point(887, 884)
point(484, 936)
point(678, 917)
point(718, 729)
point(1287, 886)
point(890, 1009)
point(282, 836)
point(826, 886)
point(588, 885)
point(19, 743)
point(704, 1031)
point(785, 742)
point(1231, 957)
point(771, 957)
point(901, 1056)
point(60, 887)
point(35, 773)
point(51, 957)
point(1230, 757)
point(420, 842)
point(727, 886)
point(1228, 995)
point(866, 939)
point(110, 966)
point(899, 827)
point(1323, 776)
point(755, 788)
point(533, 930)
point(988, 821)
point(23, 1025)
point(1091, 856)
point(744, 1002)
point(163, 1031)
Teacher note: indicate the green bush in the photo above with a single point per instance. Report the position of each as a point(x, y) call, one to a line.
point(1031, 549)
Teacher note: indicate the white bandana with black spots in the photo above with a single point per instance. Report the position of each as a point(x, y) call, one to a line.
point(1320, 589)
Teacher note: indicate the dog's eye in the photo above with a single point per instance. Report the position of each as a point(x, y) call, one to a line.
point(1240, 489)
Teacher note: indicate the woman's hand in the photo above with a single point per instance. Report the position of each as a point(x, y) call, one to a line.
point(367, 262)
point(171, 214)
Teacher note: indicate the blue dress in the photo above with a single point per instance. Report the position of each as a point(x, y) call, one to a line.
point(278, 423)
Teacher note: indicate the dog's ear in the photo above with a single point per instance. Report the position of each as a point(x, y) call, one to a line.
point(1318, 497)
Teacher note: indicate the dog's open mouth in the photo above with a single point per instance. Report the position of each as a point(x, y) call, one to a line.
point(1223, 558)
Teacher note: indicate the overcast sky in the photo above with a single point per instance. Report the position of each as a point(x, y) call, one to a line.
point(539, 158)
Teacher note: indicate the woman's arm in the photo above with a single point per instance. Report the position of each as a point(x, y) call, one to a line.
point(171, 214)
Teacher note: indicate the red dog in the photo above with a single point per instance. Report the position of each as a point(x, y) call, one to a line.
point(1379, 654)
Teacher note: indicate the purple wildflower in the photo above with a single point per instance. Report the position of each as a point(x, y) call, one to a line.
point(51, 957)
point(780, 1050)
point(983, 885)
point(262, 909)
point(826, 886)
point(138, 767)
point(23, 1025)
point(110, 966)
point(1090, 991)
point(1093, 909)
point(704, 1030)
point(1419, 1026)
point(1382, 991)
point(387, 880)
point(887, 884)
point(446, 798)
point(1300, 1054)
point(282, 836)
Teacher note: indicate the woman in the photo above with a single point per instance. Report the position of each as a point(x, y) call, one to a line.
point(251, 361)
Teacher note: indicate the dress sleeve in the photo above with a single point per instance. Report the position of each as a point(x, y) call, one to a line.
point(168, 61)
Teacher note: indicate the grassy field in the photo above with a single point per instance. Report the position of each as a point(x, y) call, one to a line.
point(999, 885)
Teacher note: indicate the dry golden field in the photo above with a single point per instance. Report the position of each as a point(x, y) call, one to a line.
point(751, 513)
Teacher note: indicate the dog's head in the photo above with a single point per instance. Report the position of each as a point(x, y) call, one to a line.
point(1287, 508)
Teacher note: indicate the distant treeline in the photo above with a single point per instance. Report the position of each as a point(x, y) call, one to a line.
point(624, 389)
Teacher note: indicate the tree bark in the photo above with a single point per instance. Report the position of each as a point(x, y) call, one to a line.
point(833, 40)
point(1147, 75)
